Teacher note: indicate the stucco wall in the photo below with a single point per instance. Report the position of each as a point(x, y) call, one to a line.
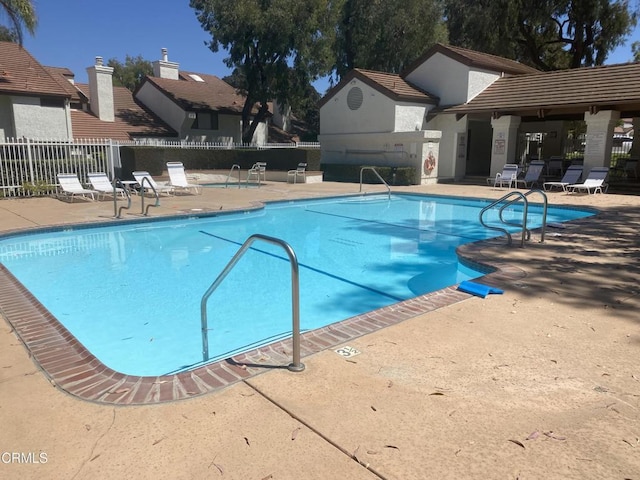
point(443, 77)
point(37, 122)
point(162, 106)
point(453, 82)
point(452, 155)
point(410, 117)
point(376, 113)
point(478, 81)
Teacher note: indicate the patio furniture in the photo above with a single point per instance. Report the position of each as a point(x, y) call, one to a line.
point(259, 171)
point(148, 184)
point(508, 176)
point(532, 177)
point(178, 178)
point(71, 186)
point(100, 183)
point(571, 176)
point(595, 181)
point(301, 171)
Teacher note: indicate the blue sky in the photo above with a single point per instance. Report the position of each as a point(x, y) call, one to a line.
point(71, 33)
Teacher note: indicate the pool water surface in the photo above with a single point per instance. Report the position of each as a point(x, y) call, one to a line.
point(130, 292)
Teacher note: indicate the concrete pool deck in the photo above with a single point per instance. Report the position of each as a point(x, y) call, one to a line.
point(540, 381)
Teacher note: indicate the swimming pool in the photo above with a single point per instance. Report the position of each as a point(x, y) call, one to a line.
point(130, 292)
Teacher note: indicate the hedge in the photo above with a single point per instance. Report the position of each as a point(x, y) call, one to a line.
point(154, 159)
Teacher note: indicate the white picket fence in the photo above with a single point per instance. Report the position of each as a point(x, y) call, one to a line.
point(30, 167)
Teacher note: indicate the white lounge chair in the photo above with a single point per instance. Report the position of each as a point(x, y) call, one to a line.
point(101, 184)
point(148, 184)
point(178, 178)
point(595, 181)
point(301, 171)
point(71, 186)
point(533, 174)
point(571, 176)
point(508, 176)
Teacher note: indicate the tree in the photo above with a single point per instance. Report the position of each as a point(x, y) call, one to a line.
point(386, 35)
point(21, 14)
point(635, 49)
point(277, 45)
point(548, 34)
point(7, 35)
point(131, 73)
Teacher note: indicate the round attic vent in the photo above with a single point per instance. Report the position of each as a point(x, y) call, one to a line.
point(354, 98)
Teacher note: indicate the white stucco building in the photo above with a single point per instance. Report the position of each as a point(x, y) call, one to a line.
point(457, 112)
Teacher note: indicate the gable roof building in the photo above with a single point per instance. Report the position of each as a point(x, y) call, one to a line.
point(33, 104)
point(199, 107)
point(456, 112)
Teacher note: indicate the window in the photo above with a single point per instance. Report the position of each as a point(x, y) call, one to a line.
point(205, 121)
point(52, 102)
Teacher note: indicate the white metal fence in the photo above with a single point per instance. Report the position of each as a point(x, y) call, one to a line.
point(217, 145)
point(30, 167)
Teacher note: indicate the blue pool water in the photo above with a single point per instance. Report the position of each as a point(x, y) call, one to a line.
point(131, 292)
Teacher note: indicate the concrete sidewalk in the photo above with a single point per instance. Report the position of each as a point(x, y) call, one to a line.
point(540, 382)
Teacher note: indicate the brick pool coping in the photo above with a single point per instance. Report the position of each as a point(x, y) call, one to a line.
point(70, 367)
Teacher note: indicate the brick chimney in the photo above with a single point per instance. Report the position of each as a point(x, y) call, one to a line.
point(164, 68)
point(101, 91)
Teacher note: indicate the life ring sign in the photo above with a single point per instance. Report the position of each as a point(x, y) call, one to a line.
point(429, 163)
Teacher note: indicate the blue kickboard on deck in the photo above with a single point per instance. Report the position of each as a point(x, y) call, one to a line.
point(478, 289)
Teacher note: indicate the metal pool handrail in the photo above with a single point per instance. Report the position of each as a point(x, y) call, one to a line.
point(233, 167)
point(377, 175)
point(157, 204)
point(296, 365)
point(117, 211)
point(545, 204)
point(501, 229)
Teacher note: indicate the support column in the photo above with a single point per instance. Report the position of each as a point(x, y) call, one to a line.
point(504, 142)
point(597, 152)
point(635, 147)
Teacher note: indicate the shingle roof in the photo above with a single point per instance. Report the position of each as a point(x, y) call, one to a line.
point(62, 75)
point(20, 73)
point(472, 58)
point(192, 95)
point(389, 84)
point(610, 86)
point(131, 120)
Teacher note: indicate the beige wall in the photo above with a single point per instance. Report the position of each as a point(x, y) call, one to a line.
point(31, 120)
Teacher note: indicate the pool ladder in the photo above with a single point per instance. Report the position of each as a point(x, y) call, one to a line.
point(117, 212)
point(377, 175)
point(233, 167)
point(295, 365)
point(526, 233)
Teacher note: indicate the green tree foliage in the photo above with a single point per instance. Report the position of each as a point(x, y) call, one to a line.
point(635, 49)
point(7, 35)
point(546, 34)
point(21, 15)
point(277, 45)
point(131, 73)
point(303, 100)
point(386, 35)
